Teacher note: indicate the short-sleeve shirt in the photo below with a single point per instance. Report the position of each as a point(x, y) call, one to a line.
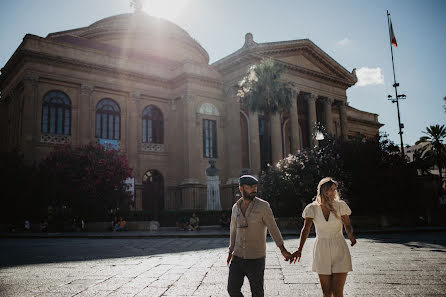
point(330, 251)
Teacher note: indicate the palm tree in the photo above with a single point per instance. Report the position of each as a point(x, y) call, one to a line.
point(444, 104)
point(434, 146)
point(262, 90)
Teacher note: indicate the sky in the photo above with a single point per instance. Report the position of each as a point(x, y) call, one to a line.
point(354, 33)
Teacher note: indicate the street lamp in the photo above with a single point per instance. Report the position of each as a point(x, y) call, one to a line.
point(400, 125)
point(319, 135)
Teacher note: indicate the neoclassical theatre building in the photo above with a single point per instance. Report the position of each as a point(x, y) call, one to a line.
point(144, 84)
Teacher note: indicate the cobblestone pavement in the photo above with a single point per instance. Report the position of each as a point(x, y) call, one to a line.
point(384, 265)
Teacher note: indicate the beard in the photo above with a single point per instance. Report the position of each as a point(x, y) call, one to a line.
point(249, 196)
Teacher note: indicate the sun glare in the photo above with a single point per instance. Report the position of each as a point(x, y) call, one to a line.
point(168, 9)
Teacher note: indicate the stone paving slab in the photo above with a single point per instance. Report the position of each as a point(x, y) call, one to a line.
point(409, 264)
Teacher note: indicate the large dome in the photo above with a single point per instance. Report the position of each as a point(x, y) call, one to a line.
point(141, 32)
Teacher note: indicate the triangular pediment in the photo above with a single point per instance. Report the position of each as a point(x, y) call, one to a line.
point(305, 56)
point(299, 56)
point(301, 61)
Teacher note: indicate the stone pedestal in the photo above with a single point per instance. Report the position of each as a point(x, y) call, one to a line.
point(213, 193)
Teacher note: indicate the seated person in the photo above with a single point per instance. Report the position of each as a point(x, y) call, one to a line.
point(224, 221)
point(43, 226)
point(27, 225)
point(194, 223)
point(183, 223)
point(114, 222)
point(120, 225)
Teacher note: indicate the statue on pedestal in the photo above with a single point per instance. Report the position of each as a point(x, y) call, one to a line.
point(213, 186)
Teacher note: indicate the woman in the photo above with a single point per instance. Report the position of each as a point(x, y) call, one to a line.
point(331, 256)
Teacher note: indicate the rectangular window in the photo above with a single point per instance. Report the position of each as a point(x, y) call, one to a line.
point(209, 138)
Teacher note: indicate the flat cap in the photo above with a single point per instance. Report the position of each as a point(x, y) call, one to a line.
point(248, 180)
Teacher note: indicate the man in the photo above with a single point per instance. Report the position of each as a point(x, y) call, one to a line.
point(251, 216)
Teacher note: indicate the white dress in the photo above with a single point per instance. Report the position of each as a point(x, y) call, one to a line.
point(330, 251)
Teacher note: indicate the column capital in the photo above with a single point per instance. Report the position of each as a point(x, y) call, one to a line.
point(253, 113)
point(327, 100)
point(173, 103)
point(311, 97)
point(30, 77)
point(342, 104)
point(188, 97)
point(230, 91)
point(296, 90)
point(135, 95)
point(86, 89)
point(9, 96)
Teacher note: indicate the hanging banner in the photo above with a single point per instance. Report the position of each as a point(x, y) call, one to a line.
point(130, 182)
point(110, 144)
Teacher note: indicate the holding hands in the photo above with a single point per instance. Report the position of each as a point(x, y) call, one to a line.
point(286, 254)
point(297, 255)
point(352, 239)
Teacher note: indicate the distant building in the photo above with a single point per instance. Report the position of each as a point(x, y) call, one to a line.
point(144, 85)
point(410, 151)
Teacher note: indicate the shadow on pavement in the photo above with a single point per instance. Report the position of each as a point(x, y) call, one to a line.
point(16, 252)
point(435, 241)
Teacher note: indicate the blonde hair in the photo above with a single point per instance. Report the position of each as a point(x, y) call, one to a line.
point(322, 198)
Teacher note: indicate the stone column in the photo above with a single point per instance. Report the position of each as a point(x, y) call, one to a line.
point(312, 118)
point(84, 117)
point(232, 126)
point(294, 124)
point(30, 123)
point(328, 115)
point(133, 144)
point(254, 142)
point(276, 138)
point(343, 119)
point(191, 142)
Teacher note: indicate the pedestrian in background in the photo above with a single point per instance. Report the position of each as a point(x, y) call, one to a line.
point(27, 225)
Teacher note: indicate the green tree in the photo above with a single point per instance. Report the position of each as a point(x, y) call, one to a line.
point(262, 90)
point(434, 147)
point(374, 177)
point(292, 183)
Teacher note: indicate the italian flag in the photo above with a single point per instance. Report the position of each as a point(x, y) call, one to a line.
point(392, 35)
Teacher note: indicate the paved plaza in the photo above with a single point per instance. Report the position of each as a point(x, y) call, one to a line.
point(384, 265)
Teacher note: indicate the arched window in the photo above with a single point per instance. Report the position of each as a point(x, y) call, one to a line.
point(152, 125)
point(56, 113)
point(108, 119)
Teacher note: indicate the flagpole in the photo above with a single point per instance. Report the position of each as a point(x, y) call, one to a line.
point(395, 85)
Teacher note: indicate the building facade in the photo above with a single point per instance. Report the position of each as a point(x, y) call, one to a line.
point(143, 84)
